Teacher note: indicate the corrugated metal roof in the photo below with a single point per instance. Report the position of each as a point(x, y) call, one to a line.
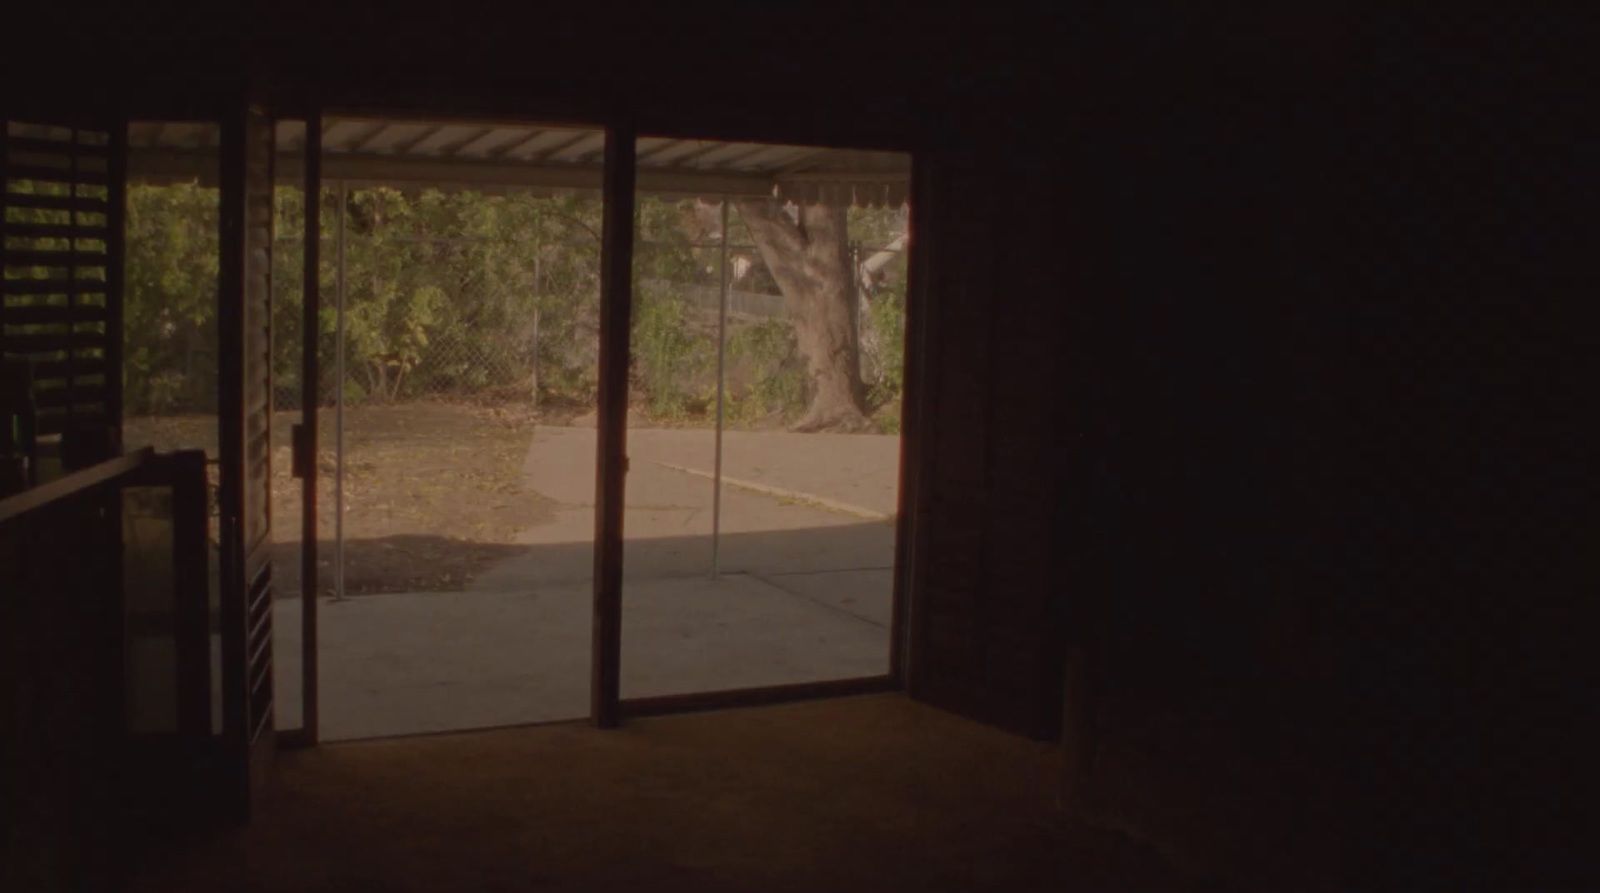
point(499, 157)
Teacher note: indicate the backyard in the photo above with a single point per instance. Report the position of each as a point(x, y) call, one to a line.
point(471, 320)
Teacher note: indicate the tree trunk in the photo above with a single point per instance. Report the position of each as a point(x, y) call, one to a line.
point(810, 261)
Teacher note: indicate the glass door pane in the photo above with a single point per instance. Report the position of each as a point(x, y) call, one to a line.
point(171, 352)
point(763, 427)
point(466, 388)
point(289, 343)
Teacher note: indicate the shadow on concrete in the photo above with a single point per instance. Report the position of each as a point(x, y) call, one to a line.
point(414, 563)
point(403, 563)
point(514, 646)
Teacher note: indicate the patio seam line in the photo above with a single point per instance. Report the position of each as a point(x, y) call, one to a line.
point(769, 490)
point(852, 615)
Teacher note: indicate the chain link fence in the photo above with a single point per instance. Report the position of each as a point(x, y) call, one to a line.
point(524, 358)
point(505, 362)
point(456, 361)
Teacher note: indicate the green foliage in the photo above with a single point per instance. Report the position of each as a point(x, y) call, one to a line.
point(876, 227)
point(170, 346)
point(444, 292)
point(448, 286)
point(883, 327)
point(886, 322)
point(668, 354)
point(673, 351)
point(779, 383)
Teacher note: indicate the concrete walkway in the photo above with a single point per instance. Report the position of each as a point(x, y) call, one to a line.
point(804, 595)
point(667, 517)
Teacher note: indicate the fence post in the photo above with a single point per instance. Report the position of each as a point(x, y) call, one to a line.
point(338, 400)
point(537, 251)
point(722, 350)
point(857, 305)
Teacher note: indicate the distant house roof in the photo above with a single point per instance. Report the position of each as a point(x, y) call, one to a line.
point(497, 157)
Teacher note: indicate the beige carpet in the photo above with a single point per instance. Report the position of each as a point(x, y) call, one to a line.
point(869, 793)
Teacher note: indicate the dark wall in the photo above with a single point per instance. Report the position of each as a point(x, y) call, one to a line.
point(1346, 348)
point(1312, 317)
point(1202, 517)
point(1482, 229)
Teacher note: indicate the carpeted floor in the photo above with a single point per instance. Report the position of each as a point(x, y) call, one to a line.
point(869, 793)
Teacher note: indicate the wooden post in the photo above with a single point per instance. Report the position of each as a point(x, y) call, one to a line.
point(230, 445)
point(616, 299)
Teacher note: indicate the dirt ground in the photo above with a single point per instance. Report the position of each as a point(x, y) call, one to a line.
point(432, 490)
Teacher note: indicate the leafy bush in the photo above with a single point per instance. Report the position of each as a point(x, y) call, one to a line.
point(667, 354)
point(441, 293)
point(170, 303)
point(885, 348)
point(779, 383)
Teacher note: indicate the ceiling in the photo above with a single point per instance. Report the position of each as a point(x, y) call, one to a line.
point(500, 157)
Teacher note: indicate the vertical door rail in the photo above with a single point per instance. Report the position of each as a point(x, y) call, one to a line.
point(245, 326)
point(616, 299)
point(310, 398)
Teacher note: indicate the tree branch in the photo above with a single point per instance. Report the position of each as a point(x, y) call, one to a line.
point(873, 266)
point(772, 227)
point(577, 222)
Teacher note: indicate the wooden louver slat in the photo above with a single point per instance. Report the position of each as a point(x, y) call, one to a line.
point(52, 286)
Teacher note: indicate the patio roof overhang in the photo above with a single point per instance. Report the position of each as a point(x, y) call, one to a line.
point(495, 157)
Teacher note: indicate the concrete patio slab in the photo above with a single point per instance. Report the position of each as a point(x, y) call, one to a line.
point(423, 662)
point(804, 594)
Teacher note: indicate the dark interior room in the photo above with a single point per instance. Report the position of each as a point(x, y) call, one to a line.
point(1237, 506)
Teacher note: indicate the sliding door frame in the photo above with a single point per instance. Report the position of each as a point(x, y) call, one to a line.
point(616, 300)
point(616, 309)
point(305, 438)
point(618, 190)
